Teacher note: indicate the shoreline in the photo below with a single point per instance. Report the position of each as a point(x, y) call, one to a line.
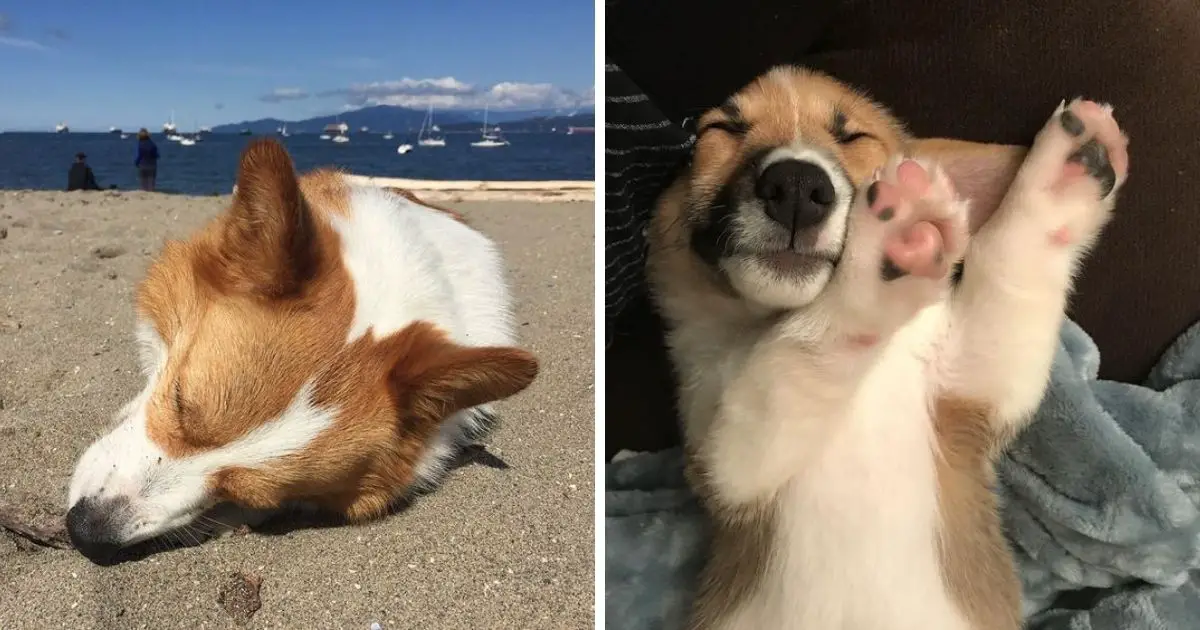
point(551, 191)
point(493, 190)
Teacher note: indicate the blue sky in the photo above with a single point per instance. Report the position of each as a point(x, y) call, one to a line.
point(128, 63)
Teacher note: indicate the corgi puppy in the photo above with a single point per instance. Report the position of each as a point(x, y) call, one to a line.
point(843, 403)
point(318, 344)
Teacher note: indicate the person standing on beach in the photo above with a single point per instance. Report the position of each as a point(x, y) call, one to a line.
point(146, 160)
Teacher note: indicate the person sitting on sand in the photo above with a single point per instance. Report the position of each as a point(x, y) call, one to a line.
point(81, 177)
point(146, 160)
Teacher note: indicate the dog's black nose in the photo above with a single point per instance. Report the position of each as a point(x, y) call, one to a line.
point(796, 194)
point(90, 526)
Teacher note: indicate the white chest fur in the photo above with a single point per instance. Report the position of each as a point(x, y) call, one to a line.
point(854, 543)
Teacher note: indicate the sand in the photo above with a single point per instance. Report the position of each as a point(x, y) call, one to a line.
point(490, 549)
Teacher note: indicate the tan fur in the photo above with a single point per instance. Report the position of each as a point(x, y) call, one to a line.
point(252, 307)
point(982, 172)
point(739, 555)
point(976, 560)
point(978, 568)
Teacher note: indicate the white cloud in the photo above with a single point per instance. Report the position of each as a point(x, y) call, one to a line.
point(283, 94)
point(511, 95)
point(450, 93)
point(17, 42)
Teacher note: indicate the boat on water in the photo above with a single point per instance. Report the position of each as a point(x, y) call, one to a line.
point(169, 127)
point(124, 136)
point(388, 135)
point(206, 130)
point(341, 139)
point(62, 128)
point(190, 139)
point(333, 129)
point(492, 138)
point(404, 148)
point(116, 131)
point(283, 130)
point(174, 137)
point(245, 132)
point(426, 137)
point(363, 129)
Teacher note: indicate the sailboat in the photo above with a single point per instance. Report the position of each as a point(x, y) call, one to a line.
point(189, 140)
point(62, 128)
point(493, 139)
point(425, 137)
point(388, 135)
point(339, 128)
point(283, 130)
point(169, 127)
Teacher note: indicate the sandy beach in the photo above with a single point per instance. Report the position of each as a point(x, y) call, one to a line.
point(491, 549)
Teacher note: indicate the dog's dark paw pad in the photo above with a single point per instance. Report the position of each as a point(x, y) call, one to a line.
point(872, 193)
point(1093, 156)
point(889, 271)
point(1072, 123)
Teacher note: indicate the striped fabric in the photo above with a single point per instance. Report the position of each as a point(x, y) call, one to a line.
point(642, 151)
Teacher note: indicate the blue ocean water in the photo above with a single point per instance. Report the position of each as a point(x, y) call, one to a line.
point(41, 160)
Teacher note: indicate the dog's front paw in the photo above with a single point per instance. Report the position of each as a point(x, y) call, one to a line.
point(1070, 179)
point(908, 229)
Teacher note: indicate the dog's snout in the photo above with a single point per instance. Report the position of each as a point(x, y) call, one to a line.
point(796, 194)
point(91, 525)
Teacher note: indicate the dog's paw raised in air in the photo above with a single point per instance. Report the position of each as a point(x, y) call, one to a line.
point(909, 228)
point(923, 223)
point(1075, 168)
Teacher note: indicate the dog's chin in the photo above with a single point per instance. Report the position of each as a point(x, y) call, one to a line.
point(779, 280)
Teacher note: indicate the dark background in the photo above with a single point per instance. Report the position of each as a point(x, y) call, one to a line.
point(989, 72)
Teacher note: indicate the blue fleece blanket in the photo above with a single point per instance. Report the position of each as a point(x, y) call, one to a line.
point(1101, 497)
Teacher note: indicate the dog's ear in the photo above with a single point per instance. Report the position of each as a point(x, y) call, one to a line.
point(434, 377)
point(268, 246)
point(981, 172)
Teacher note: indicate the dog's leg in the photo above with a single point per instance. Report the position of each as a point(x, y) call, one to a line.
point(1008, 310)
point(906, 231)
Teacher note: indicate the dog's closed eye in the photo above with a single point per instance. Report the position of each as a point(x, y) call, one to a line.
point(849, 137)
point(731, 122)
point(843, 135)
point(733, 127)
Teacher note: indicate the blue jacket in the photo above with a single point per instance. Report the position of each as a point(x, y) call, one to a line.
point(147, 154)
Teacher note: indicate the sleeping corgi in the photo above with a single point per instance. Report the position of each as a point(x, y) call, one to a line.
point(318, 344)
point(843, 400)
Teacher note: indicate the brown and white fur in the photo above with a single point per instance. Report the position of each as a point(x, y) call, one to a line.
point(318, 343)
point(843, 403)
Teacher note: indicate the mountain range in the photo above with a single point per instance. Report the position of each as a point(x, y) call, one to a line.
point(381, 118)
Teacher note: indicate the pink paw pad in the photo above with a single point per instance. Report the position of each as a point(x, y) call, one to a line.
point(916, 249)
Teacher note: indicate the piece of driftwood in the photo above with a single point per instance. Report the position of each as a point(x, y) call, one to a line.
point(17, 524)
